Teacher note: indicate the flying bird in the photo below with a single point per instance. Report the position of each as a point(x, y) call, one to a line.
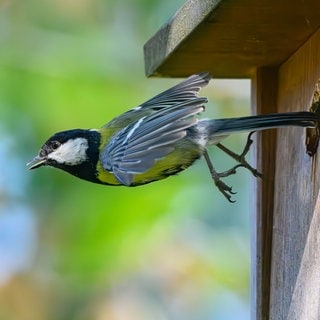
point(157, 139)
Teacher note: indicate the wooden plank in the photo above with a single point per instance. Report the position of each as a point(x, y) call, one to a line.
point(174, 32)
point(230, 38)
point(264, 100)
point(295, 275)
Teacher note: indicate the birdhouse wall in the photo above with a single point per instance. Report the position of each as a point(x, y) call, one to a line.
point(287, 250)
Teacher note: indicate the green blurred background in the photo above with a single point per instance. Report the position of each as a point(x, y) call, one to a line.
point(69, 249)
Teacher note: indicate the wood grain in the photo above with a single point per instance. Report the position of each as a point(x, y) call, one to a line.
point(264, 100)
point(230, 38)
point(295, 276)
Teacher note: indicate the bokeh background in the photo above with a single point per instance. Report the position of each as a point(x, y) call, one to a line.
point(69, 249)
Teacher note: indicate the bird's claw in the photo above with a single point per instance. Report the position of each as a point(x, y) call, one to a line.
point(216, 177)
point(225, 190)
point(223, 187)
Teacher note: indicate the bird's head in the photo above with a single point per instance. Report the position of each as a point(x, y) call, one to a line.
point(75, 151)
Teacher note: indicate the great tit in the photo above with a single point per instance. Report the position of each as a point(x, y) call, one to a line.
point(155, 140)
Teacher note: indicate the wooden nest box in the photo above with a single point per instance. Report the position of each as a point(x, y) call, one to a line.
point(277, 45)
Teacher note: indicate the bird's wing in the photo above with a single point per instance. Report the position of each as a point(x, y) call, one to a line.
point(136, 148)
point(182, 92)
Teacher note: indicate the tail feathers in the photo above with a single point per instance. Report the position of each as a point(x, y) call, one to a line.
point(222, 127)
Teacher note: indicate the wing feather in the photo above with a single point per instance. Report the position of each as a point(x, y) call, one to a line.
point(184, 91)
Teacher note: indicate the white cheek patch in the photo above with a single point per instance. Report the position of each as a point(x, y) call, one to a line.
point(72, 152)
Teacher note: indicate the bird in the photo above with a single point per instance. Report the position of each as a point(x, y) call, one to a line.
point(157, 139)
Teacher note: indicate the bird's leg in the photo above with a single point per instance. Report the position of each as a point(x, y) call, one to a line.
point(240, 158)
point(216, 176)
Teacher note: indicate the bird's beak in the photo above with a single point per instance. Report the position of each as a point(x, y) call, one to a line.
point(36, 162)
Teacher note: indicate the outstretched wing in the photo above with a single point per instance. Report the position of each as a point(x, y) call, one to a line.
point(182, 92)
point(136, 148)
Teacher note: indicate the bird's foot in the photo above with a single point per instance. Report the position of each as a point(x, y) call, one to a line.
point(216, 177)
point(241, 158)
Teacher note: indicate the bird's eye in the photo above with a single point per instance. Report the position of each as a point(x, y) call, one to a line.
point(55, 145)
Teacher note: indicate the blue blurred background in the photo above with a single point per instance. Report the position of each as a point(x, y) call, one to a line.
point(69, 249)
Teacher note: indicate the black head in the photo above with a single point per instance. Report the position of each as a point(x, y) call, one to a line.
point(75, 151)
